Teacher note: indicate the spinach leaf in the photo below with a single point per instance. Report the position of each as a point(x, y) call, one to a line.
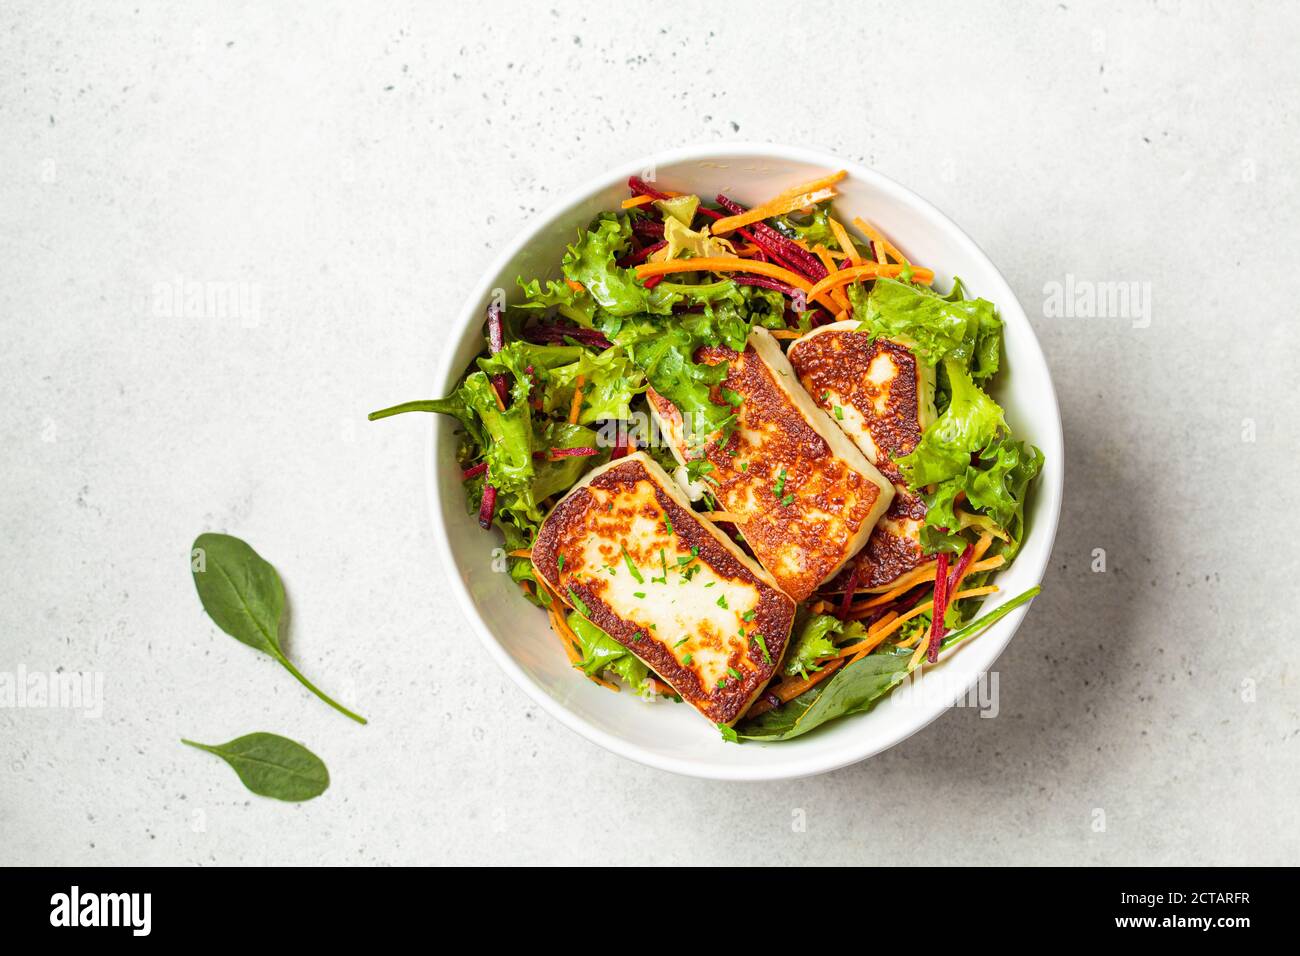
point(242, 593)
point(272, 766)
point(852, 690)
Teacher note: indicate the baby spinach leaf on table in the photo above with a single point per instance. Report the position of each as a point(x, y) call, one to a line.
point(243, 594)
point(858, 686)
point(272, 766)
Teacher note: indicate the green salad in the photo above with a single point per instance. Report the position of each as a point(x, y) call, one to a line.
point(632, 346)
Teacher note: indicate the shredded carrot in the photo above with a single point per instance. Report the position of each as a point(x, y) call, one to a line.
point(562, 631)
point(875, 635)
point(898, 622)
point(846, 243)
point(920, 576)
point(789, 688)
point(786, 333)
point(981, 546)
point(777, 207)
point(575, 286)
point(824, 254)
point(576, 407)
point(496, 393)
point(634, 201)
point(881, 245)
point(841, 316)
point(521, 553)
point(868, 270)
point(722, 264)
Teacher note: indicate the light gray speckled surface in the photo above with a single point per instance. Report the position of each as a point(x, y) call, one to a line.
point(358, 169)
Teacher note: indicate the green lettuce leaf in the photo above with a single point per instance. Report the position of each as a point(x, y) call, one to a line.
point(572, 303)
point(680, 208)
point(814, 641)
point(939, 327)
point(610, 382)
point(970, 422)
point(592, 261)
point(508, 447)
point(602, 655)
point(809, 230)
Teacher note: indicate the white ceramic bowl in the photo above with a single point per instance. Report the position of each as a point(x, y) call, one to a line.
point(672, 736)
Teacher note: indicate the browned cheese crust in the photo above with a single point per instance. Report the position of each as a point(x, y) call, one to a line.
point(614, 522)
point(801, 525)
point(840, 364)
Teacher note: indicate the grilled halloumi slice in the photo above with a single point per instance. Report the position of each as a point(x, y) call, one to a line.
point(882, 396)
point(804, 498)
point(625, 549)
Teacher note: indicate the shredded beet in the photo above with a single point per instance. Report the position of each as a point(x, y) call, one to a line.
point(640, 187)
point(766, 283)
point(937, 629)
point(805, 263)
point(557, 453)
point(962, 564)
point(641, 256)
point(488, 507)
point(850, 589)
point(473, 471)
point(653, 281)
point(547, 334)
point(651, 228)
point(620, 449)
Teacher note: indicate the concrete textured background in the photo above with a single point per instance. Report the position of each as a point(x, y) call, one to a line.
point(355, 166)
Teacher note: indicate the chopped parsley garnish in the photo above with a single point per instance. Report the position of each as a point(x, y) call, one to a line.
point(722, 682)
point(636, 575)
point(744, 466)
point(735, 673)
point(839, 412)
point(663, 561)
point(697, 469)
point(687, 658)
point(762, 646)
point(722, 601)
point(639, 594)
point(577, 603)
point(681, 642)
point(779, 488)
point(559, 562)
point(785, 502)
point(728, 734)
point(668, 523)
point(637, 636)
point(749, 615)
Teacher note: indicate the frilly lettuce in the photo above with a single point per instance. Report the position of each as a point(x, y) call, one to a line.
point(942, 327)
point(592, 261)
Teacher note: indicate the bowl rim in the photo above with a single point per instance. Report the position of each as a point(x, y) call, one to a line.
point(1051, 481)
